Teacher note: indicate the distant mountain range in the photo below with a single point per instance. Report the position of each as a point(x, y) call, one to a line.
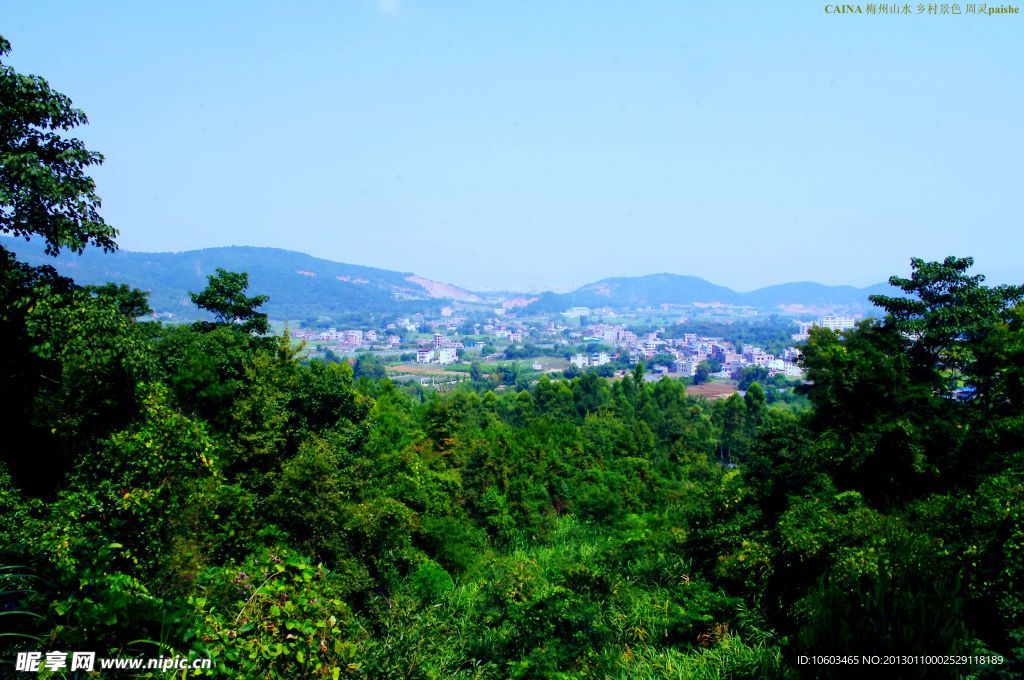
point(302, 287)
point(674, 289)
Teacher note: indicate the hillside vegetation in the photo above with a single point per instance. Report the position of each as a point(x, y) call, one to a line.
point(300, 286)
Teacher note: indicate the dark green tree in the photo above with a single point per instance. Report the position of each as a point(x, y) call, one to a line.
point(702, 374)
point(132, 302)
point(946, 311)
point(369, 366)
point(60, 355)
point(731, 417)
point(757, 408)
point(225, 298)
point(752, 374)
point(638, 374)
point(44, 190)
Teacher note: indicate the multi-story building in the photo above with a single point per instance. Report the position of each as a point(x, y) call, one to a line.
point(685, 366)
point(576, 312)
point(837, 323)
point(832, 322)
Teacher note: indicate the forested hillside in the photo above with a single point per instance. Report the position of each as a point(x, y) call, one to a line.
point(206, 490)
point(301, 286)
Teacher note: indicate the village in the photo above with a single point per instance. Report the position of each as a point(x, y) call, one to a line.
point(568, 341)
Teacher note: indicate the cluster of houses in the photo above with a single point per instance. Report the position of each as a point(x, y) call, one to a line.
point(347, 338)
point(678, 355)
point(616, 336)
point(693, 350)
point(590, 361)
point(442, 351)
point(688, 352)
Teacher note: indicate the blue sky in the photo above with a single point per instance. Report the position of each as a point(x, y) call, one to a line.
point(549, 144)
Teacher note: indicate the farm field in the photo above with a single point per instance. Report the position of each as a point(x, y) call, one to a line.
point(417, 369)
point(711, 391)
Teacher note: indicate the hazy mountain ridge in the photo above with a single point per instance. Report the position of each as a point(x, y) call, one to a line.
point(299, 285)
point(676, 289)
point(303, 286)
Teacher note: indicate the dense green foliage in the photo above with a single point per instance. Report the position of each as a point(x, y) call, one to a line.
point(206, 490)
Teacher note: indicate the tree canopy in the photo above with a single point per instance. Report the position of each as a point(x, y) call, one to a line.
point(946, 311)
point(44, 188)
point(225, 298)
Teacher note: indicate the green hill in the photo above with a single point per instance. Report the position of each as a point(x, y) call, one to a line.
point(300, 286)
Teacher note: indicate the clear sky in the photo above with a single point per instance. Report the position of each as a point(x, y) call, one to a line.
point(521, 144)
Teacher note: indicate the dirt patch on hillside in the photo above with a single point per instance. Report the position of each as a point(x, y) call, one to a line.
point(711, 391)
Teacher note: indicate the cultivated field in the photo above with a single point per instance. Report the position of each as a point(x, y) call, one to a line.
point(711, 390)
point(418, 369)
